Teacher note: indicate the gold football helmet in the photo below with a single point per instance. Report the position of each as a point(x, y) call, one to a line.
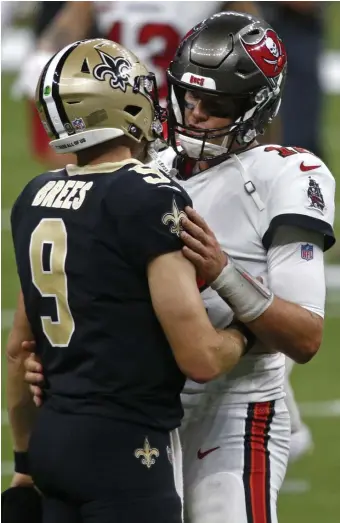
point(96, 90)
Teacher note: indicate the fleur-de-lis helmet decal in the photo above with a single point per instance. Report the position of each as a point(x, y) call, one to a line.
point(117, 69)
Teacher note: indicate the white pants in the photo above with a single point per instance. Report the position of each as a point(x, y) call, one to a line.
point(176, 458)
point(293, 409)
point(235, 459)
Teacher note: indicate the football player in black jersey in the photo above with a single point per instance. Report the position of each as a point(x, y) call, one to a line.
point(113, 305)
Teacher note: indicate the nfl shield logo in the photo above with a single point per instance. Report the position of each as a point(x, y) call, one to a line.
point(307, 252)
point(78, 124)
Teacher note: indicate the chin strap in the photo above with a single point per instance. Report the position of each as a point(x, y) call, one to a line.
point(248, 184)
point(153, 152)
point(193, 148)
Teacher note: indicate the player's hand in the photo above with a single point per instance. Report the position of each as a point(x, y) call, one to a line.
point(21, 480)
point(34, 373)
point(201, 246)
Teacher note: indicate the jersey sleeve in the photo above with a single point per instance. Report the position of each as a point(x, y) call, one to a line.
point(152, 225)
point(296, 268)
point(302, 195)
point(16, 213)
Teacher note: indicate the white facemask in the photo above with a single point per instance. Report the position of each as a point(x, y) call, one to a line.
point(193, 147)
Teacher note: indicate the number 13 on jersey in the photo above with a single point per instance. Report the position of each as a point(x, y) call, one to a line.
point(47, 252)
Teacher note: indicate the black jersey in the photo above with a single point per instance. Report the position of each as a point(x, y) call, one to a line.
point(82, 243)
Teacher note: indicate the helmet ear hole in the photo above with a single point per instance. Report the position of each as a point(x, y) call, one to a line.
point(132, 109)
point(253, 32)
point(85, 67)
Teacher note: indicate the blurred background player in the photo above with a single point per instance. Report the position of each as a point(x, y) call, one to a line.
point(301, 25)
point(152, 29)
point(44, 15)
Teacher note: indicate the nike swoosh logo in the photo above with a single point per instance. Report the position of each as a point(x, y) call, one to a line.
point(202, 455)
point(305, 168)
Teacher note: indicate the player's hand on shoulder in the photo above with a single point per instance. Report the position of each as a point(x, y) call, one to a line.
point(201, 246)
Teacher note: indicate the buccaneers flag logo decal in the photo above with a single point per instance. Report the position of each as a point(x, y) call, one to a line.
point(268, 54)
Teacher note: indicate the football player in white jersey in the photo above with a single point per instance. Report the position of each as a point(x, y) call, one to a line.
point(271, 209)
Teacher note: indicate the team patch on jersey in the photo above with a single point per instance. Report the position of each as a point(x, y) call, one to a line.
point(314, 194)
point(173, 219)
point(116, 69)
point(147, 453)
point(307, 251)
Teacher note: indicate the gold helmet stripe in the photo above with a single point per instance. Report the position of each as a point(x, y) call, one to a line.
point(50, 92)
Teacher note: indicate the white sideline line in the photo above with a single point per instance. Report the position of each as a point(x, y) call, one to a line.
point(7, 316)
point(320, 409)
point(4, 418)
point(5, 219)
point(332, 273)
point(295, 486)
point(7, 468)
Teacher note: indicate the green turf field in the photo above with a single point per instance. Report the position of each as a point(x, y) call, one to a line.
point(311, 492)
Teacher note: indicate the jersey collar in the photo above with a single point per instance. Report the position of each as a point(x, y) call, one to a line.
point(99, 168)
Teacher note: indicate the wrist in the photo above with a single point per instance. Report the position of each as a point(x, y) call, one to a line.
point(216, 277)
point(246, 296)
point(248, 336)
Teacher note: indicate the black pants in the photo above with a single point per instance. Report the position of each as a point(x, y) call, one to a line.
point(97, 470)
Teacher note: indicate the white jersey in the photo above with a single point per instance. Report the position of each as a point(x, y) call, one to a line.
point(152, 30)
point(244, 199)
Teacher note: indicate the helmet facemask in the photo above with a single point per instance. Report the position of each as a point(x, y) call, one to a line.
point(147, 86)
point(245, 111)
